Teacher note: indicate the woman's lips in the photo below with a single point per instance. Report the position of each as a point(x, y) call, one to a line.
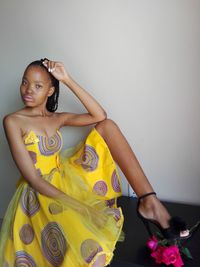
point(28, 98)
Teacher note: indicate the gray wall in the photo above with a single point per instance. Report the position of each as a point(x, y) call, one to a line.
point(139, 58)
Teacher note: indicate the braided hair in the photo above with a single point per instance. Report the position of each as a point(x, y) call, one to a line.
point(52, 101)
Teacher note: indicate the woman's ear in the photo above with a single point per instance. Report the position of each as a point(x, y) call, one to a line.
point(51, 91)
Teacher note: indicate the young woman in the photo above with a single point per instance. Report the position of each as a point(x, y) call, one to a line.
point(64, 211)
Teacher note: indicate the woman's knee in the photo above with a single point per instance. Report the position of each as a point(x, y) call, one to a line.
point(104, 125)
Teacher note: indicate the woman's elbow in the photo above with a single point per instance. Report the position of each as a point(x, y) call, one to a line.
point(102, 117)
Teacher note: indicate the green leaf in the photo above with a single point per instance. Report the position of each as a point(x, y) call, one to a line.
point(163, 242)
point(187, 253)
point(159, 235)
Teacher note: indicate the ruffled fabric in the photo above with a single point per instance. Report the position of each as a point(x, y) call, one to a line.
point(31, 138)
point(74, 228)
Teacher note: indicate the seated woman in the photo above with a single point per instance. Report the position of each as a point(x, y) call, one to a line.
point(64, 211)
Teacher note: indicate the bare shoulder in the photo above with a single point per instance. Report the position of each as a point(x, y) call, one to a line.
point(12, 121)
point(9, 119)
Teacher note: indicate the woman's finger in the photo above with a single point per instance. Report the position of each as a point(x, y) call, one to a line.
point(45, 62)
point(49, 66)
point(53, 69)
point(53, 65)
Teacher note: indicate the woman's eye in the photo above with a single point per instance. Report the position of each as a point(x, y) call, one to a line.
point(24, 82)
point(38, 86)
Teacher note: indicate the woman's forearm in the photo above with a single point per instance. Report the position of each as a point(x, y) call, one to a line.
point(45, 188)
point(49, 190)
point(92, 106)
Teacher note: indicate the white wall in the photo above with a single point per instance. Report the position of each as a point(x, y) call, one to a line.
point(139, 58)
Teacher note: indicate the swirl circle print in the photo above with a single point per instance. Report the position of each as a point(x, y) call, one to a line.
point(89, 159)
point(100, 188)
point(24, 259)
point(54, 244)
point(29, 202)
point(26, 234)
point(89, 249)
point(115, 182)
point(49, 145)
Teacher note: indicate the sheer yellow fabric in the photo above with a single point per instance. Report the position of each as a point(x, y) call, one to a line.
point(71, 230)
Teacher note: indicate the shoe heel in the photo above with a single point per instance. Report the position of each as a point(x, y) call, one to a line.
point(147, 226)
point(144, 220)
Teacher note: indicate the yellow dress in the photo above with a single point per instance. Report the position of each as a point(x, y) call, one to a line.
point(39, 231)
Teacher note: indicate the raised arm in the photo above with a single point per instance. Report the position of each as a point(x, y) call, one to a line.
point(95, 112)
point(24, 162)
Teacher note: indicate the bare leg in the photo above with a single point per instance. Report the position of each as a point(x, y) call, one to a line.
point(100, 262)
point(123, 155)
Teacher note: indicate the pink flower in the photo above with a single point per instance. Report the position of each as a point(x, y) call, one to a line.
point(152, 243)
point(171, 255)
point(158, 254)
point(168, 255)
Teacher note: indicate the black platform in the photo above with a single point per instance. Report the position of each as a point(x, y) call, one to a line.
point(133, 251)
point(118, 263)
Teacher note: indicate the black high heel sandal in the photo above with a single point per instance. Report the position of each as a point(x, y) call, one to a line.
point(173, 231)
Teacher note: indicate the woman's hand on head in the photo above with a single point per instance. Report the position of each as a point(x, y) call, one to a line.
point(57, 69)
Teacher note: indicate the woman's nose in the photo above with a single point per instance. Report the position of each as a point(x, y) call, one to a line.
point(29, 89)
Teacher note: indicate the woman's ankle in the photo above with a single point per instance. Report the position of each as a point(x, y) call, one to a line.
point(152, 208)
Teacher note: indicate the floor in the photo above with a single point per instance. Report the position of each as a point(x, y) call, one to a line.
point(133, 252)
point(133, 249)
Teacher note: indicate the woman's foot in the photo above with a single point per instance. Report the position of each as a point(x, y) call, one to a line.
point(151, 208)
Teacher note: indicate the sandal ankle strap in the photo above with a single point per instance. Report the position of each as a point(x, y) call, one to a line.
point(146, 195)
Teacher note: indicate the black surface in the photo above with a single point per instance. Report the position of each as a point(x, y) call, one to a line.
point(118, 263)
point(133, 251)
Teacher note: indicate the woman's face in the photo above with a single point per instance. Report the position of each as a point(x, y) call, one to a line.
point(36, 86)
